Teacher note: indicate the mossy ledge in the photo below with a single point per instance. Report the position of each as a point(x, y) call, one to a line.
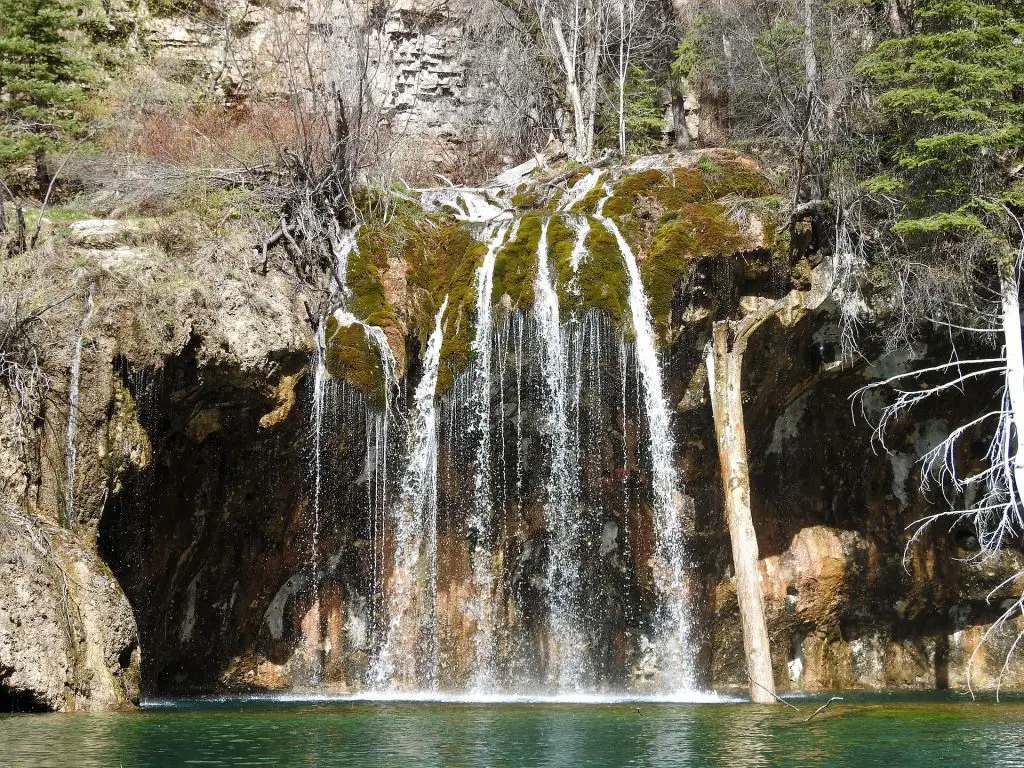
point(351, 356)
point(705, 206)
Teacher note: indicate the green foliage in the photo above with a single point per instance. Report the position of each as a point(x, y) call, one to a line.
point(706, 165)
point(687, 56)
point(644, 118)
point(951, 98)
point(44, 72)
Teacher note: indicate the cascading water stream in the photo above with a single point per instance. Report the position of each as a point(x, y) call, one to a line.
point(408, 655)
point(343, 245)
point(568, 668)
point(533, 489)
point(74, 388)
point(482, 607)
point(378, 431)
point(672, 629)
point(581, 226)
point(319, 405)
point(579, 190)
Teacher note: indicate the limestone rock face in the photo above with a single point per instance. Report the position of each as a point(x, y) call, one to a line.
point(419, 56)
point(68, 639)
point(193, 484)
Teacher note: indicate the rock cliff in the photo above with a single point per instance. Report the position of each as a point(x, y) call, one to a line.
point(200, 557)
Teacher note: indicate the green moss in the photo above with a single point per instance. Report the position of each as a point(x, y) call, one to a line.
point(695, 231)
point(628, 189)
point(62, 215)
point(515, 265)
point(561, 238)
point(670, 190)
point(667, 190)
point(589, 202)
point(464, 257)
point(526, 199)
point(351, 356)
point(368, 301)
point(737, 178)
point(602, 275)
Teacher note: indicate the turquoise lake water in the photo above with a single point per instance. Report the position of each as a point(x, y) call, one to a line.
point(863, 730)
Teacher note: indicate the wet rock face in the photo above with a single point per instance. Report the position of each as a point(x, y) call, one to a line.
point(849, 604)
point(239, 582)
point(196, 481)
point(215, 548)
point(201, 535)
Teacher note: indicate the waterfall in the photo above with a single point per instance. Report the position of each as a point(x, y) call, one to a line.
point(672, 628)
point(71, 452)
point(316, 429)
point(579, 190)
point(479, 523)
point(526, 479)
point(568, 669)
point(318, 408)
point(408, 655)
point(343, 245)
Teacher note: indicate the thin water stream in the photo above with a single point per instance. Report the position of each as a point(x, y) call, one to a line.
point(408, 656)
point(74, 391)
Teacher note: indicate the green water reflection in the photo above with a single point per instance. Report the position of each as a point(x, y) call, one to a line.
point(862, 731)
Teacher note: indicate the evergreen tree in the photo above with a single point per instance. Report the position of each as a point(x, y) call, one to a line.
point(43, 76)
point(952, 95)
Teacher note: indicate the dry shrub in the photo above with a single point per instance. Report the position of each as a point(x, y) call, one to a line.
point(208, 136)
point(474, 162)
point(179, 236)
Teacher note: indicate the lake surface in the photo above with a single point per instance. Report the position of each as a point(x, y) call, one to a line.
point(863, 730)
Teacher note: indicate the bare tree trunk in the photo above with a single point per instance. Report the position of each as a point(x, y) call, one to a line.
point(895, 18)
point(623, 70)
point(572, 92)
point(812, 97)
point(592, 39)
point(20, 244)
point(681, 134)
point(713, 130)
point(810, 57)
point(725, 369)
point(1014, 366)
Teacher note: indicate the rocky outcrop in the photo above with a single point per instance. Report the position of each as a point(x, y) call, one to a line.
point(419, 56)
point(194, 475)
point(68, 639)
point(68, 633)
point(851, 602)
